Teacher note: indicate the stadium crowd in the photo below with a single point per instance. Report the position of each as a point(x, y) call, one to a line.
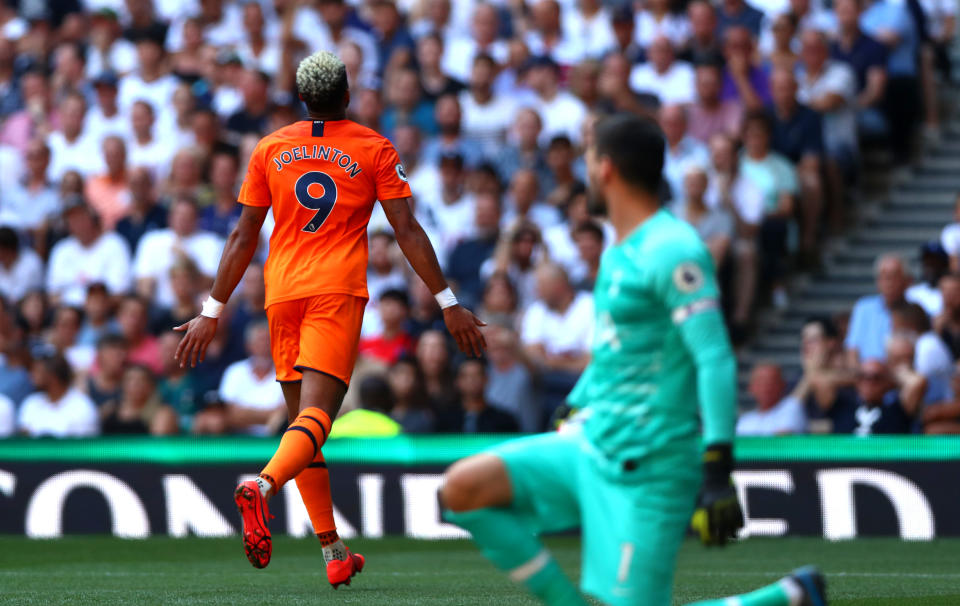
point(126, 126)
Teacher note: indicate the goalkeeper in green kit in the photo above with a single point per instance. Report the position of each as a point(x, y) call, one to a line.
point(629, 468)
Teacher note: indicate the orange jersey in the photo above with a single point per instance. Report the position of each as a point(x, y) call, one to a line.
point(322, 179)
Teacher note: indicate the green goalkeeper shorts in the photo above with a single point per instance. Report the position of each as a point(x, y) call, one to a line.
point(632, 529)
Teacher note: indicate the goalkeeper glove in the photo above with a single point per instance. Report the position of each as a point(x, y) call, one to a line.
point(560, 416)
point(718, 516)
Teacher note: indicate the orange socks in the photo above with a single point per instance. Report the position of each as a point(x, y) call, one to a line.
point(299, 447)
point(314, 486)
point(299, 456)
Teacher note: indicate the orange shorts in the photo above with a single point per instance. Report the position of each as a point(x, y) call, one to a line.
point(318, 333)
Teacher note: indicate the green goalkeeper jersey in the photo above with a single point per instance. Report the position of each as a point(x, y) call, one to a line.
point(662, 362)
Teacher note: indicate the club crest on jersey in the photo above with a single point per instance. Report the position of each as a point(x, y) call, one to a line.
point(688, 277)
point(401, 173)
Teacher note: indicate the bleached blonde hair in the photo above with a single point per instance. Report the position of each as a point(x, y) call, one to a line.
point(321, 80)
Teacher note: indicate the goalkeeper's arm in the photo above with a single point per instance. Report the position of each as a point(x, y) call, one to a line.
point(718, 516)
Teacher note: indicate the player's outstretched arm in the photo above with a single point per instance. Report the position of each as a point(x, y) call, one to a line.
point(416, 247)
point(718, 516)
point(685, 280)
point(237, 254)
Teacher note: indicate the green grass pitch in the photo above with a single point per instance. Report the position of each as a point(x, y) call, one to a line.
point(100, 570)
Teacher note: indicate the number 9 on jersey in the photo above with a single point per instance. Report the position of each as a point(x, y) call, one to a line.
point(323, 204)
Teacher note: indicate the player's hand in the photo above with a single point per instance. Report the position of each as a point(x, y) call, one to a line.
point(465, 328)
point(193, 347)
point(718, 516)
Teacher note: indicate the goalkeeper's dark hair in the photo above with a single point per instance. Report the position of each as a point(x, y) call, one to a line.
point(635, 146)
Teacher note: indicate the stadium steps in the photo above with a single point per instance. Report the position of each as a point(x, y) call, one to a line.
point(896, 211)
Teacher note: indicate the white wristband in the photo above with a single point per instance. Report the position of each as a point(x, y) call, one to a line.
point(211, 308)
point(445, 298)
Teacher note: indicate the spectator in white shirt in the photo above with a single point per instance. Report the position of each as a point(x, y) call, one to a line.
point(460, 52)
point(56, 410)
point(28, 204)
point(683, 151)
point(663, 76)
point(70, 148)
point(108, 51)
point(560, 112)
point(545, 36)
point(89, 255)
point(588, 26)
point(383, 271)
point(21, 269)
point(508, 81)
point(11, 158)
point(934, 264)
point(222, 24)
point(805, 14)
point(776, 413)
point(178, 131)
point(557, 327)
point(257, 51)
point(516, 257)
point(383, 274)
point(433, 20)
point(158, 251)
point(829, 87)
point(561, 242)
point(453, 211)
point(714, 226)
point(105, 118)
point(150, 82)
point(325, 28)
point(224, 79)
point(931, 357)
point(249, 388)
point(659, 19)
point(486, 116)
point(524, 203)
point(146, 147)
point(64, 330)
point(556, 333)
